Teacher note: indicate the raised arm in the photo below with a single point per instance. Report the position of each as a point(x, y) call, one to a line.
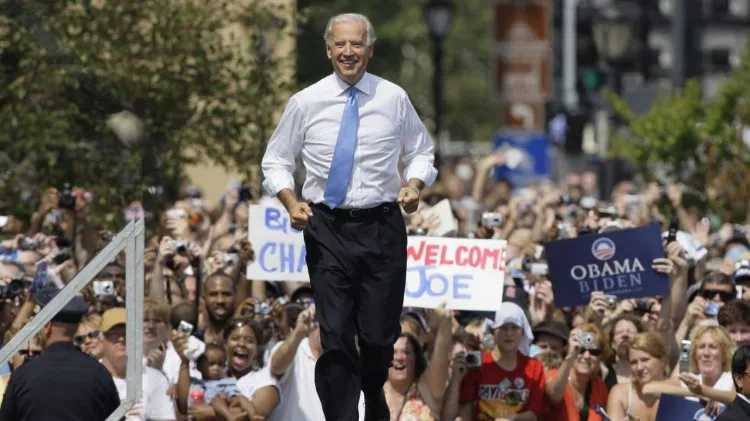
point(437, 369)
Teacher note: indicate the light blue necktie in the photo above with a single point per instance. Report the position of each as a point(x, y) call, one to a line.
point(343, 155)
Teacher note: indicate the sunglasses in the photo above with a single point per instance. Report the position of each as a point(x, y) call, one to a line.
point(33, 352)
point(594, 352)
point(91, 335)
point(723, 295)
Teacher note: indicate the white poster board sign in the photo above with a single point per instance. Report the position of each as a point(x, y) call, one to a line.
point(468, 274)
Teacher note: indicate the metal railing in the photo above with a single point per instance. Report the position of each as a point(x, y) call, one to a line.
point(132, 240)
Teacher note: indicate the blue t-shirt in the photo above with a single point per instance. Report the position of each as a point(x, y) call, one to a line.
point(211, 388)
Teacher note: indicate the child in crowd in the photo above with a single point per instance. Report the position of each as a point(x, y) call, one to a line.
point(219, 391)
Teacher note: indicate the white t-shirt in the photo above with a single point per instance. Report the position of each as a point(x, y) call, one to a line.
point(156, 404)
point(724, 383)
point(301, 402)
point(256, 380)
point(172, 361)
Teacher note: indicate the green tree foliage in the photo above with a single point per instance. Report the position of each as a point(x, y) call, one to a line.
point(686, 139)
point(403, 55)
point(201, 92)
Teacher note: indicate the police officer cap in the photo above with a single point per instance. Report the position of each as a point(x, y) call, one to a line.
point(73, 311)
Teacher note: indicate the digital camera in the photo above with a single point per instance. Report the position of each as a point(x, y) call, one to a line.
point(12, 290)
point(473, 359)
point(587, 340)
point(104, 288)
point(28, 244)
point(492, 219)
point(263, 308)
point(185, 328)
point(180, 246)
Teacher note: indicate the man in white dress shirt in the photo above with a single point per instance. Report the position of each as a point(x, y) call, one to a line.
point(350, 129)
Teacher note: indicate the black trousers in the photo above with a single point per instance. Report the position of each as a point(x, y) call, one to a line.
point(357, 265)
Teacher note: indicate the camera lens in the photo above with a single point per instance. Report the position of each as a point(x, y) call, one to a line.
point(15, 288)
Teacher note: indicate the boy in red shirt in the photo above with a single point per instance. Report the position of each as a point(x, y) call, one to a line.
point(509, 385)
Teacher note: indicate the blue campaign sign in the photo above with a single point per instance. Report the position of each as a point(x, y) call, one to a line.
point(677, 408)
point(617, 263)
point(533, 164)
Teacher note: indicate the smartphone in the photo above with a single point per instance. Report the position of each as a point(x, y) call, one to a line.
point(674, 225)
point(685, 357)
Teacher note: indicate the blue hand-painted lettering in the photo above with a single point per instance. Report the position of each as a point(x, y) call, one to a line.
point(436, 284)
point(276, 220)
point(282, 257)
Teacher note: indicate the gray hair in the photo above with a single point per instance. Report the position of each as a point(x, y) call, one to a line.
point(350, 17)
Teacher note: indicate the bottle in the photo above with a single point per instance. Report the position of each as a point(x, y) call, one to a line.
point(196, 396)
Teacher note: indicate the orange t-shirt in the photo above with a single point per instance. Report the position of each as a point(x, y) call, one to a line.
point(499, 393)
point(566, 410)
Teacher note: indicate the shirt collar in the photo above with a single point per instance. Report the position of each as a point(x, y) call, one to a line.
point(363, 85)
point(61, 346)
point(743, 397)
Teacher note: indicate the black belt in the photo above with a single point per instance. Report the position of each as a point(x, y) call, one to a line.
point(381, 209)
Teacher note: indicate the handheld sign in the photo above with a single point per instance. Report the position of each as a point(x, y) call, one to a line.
point(468, 274)
point(41, 278)
point(677, 408)
point(617, 263)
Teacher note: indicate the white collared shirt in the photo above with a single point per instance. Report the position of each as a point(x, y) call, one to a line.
point(388, 127)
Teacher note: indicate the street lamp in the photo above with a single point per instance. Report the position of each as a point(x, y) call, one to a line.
point(613, 35)
point(438, 14)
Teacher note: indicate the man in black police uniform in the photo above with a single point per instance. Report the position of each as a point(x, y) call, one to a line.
point(63, 383)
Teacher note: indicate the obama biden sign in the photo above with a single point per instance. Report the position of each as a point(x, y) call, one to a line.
point(616, 263)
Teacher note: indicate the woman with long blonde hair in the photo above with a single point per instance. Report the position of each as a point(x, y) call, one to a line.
point(648, 363)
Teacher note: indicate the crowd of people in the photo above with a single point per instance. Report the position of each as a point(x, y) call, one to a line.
point(219, 346)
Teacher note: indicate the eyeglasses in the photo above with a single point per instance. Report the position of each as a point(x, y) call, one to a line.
point(594, 352)
point(30, 352)
point(91, 335)
point(723, 295)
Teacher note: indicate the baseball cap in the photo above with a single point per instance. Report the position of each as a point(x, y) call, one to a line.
point(111, 318)
point(71, 313)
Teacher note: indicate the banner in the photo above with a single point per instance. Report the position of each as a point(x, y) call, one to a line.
point(468, 274)
point(617, 263)
point(677, 408)
point(533, 162)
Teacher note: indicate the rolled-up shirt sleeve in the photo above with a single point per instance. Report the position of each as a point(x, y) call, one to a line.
point(418, 150)
point(283, 148)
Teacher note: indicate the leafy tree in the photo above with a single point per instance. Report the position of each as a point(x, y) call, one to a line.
point(684, 138)
point(198, 89)
point(403, 55)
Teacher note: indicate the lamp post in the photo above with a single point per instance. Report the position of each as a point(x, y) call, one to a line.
point(613, 35)
point(438, 14)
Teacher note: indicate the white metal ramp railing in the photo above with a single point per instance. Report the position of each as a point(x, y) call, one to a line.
point(132, 240)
